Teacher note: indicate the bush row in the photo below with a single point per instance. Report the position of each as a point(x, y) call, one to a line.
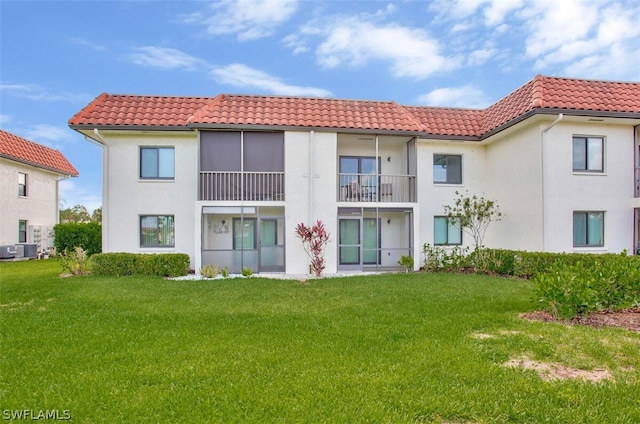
point(118, 264)
point(88, 236)
point(565, 284)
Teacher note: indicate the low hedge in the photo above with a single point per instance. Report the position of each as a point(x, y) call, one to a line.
point(565, 284)
point(569, 284)
point(120, 264)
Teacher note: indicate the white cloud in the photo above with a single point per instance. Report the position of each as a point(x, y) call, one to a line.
point(41, 133)
point(36, 92)
point(165, 58)
point(248, 19)
point(359, 40)
point(5, 119)
point(466, 96)
point(71, 194)
point(82, 42)
point(240, 75)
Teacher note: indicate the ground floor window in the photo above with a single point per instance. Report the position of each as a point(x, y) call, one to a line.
point(588, 229)
point(446, 233)
point(22, 231)
point(157, 231)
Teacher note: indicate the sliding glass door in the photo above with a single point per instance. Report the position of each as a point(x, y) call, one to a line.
point(359, 242)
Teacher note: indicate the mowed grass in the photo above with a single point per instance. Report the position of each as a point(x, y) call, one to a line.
point(395, 348)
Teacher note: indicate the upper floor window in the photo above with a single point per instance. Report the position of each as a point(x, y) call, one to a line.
point(588, 229)
point(447, 169)
point(588, 154)
point(157, 231)
point(445, 233)
point(157, 163)
point(22, 231)
point(22, 184)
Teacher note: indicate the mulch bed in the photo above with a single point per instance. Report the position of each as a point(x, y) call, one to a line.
point(625, 318)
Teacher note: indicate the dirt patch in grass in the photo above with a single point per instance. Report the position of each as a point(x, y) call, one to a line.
point(551, 371)
point(628, 319)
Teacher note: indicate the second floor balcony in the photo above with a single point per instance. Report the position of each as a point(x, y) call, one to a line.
point(376, 188)
point(235, 186)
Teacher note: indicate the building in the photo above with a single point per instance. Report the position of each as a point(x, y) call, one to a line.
point(29, 193)
point(226, 179)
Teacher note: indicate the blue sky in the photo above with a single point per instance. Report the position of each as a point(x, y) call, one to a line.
point(56, 56)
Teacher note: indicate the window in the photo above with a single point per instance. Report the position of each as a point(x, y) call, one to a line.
point(22, 231)
point(446, 233)
point(22, 184)
point(157, 163)
point(447, 169)
point(588, 154)
point(244, 233)
point(588, 229)
point(157, 231)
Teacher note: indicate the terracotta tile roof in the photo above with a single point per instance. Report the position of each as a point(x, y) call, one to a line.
point(22, 150)
point(306, 112)
point(541, 94)
point(146, 111)
point(448, 121)
point(564, 94)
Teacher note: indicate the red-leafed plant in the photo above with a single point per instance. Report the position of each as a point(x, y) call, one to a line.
point(314, 240)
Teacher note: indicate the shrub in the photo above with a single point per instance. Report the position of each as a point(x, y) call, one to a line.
point(444, 258)
point(71, 235)
point(119, 264)
point(247, 272)
point(75, 261)
point(209, 271)
point(224, 272)
point(587, 284)
point(406, 262)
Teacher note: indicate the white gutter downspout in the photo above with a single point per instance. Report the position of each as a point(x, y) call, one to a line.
point(62, 178)
point(312, 136)
point(542, 133)
point(105, 191)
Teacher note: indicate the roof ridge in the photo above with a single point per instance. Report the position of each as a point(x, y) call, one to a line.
point(537, 95)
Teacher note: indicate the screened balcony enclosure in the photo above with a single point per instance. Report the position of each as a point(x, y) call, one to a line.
point(376, 169)
point(241, 165)
point(243, 237)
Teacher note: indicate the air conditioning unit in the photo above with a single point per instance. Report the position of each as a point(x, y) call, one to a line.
point(7, 251)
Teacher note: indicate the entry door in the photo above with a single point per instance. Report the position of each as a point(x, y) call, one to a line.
point(349, 241)
point(370, 241)
point(359, 242)
point(271, 248)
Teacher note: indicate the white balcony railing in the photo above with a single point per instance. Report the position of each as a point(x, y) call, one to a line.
point(376, 188)
point(251, 186)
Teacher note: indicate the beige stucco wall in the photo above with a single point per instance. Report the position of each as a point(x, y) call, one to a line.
point(126, 196)
point(310, 172)
point(611, 191)
point(432, 196)
point(513, 180)
point(39, 207)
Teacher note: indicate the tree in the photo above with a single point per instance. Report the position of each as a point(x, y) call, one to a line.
point(78, 213)
point(314, 240)
point(473, 214)
point(96, 216)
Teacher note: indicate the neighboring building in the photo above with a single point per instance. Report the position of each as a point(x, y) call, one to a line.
point(226, 179)
point(30, 174)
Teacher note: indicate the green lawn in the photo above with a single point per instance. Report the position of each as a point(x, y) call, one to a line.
point(397, 348)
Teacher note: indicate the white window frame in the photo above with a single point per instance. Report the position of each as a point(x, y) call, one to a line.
point(21, 184)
